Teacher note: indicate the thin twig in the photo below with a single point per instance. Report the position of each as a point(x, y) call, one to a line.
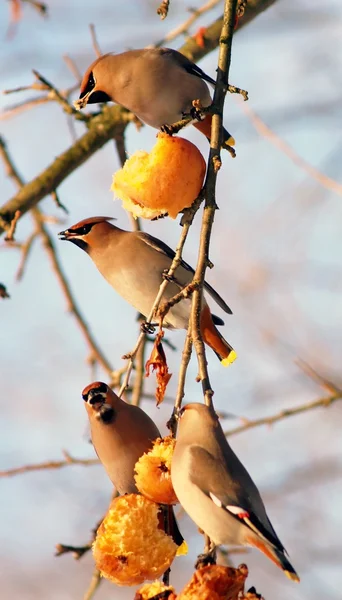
point(283, 414)
point(139, 375)
point(264, 130)
point(183, 28)
point(49, 246)
point(94, 40)
point(25, 252)
point(73, 68)
point(210, 185)
point(186, 355)
point(94, 584)
point(9, 237)
point(56, 95)
point(103, 127)
point(50, 464)
point(324, 383)
point(39, 6)
point(173, 267)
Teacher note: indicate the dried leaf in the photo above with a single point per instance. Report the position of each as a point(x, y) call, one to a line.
point(157, 362)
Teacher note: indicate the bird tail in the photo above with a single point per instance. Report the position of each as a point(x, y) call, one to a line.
point(276, 555)
point(205, 127)
point(213, 338)
point(167, 522)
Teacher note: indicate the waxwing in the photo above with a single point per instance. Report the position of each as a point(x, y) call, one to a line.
point(157, 84)
point(121, 433)
point(215, 489)
point(133, 263)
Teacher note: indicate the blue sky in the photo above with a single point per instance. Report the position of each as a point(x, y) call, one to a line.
point(276, 247)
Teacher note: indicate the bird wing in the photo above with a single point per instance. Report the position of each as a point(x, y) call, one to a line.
point(189, 66)
point(213, 480)
point(158, 245)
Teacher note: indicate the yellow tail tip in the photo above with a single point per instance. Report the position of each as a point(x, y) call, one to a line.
point(230, 141)
point(292, 576)
point(182, 549)
point(229, 359)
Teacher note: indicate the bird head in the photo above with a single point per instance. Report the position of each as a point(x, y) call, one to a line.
point(89, 233)
point(196, 417)
point(97, 396)
point(95, 83)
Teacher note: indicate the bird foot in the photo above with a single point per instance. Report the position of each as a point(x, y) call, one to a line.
point(208, 558)
point(169, 278)
point(147, 327)
point(166, 129)
point(197, 113)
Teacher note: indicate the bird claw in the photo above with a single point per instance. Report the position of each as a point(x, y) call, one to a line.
point(196, 113)
point(147, 327)
point(166, 129)
point(207, 558)
point(167, 277)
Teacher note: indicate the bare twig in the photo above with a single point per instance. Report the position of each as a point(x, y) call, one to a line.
point(264, 130)
point(49, 246)
point(10, 233)
point(324, 383)
point(39, 6)
point(103, 127)
point(173, 267)
point(73, 68)
point(56, 95)
point(324, 402)
point(183, 28)
point(283, 414)
point(186, 355)
point(94, 40)
point(210, 185)
point(139, 375)
point(94, 584)
point(50, 464)
point(78, 551)
point(25, 252)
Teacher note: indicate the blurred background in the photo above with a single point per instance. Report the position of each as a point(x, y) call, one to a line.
point(276, 246)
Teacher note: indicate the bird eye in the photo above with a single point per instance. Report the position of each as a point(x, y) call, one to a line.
point(91, 82)
point(81, 230)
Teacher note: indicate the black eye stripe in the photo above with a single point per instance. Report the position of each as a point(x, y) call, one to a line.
point(91, 82)
point(81, 230)
point(101, 388)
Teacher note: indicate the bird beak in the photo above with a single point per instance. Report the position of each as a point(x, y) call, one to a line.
point(179, 412)
point(66, 235)
point(82, 102)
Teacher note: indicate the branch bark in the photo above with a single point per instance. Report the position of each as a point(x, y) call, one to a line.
point(110, 123)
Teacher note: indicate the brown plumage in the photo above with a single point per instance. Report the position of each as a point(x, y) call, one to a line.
point(216, 490)
point(121, 433)
point(156, 84)
point(133, 263)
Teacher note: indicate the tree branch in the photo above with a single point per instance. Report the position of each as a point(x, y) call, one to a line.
point(50, 249)
point(111, 122)
point(284, 414)
point(50, 464)
point(214, 164)
point(102, 128)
